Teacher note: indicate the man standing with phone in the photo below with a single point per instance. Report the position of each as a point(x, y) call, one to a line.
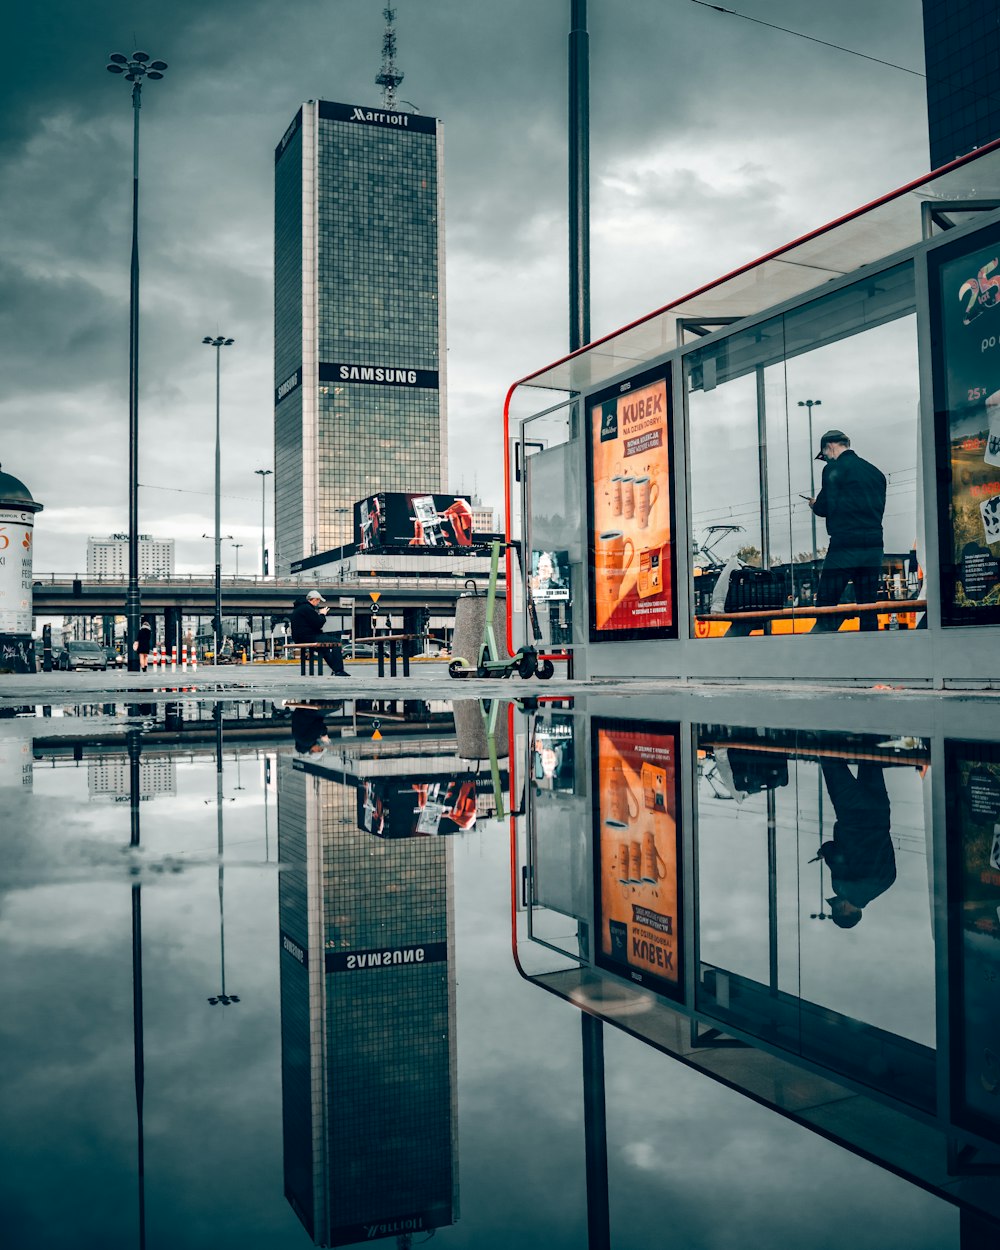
point(852, 502)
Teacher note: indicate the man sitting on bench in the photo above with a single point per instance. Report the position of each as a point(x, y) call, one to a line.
point(308, 619)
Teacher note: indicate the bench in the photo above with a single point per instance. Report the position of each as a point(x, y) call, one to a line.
point(743, 623)
point(381, 641)
point(309, 659)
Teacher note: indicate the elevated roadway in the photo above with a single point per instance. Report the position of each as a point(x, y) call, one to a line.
point(61, 595)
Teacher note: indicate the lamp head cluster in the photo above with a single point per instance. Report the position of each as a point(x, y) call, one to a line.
point(219, 341)
point(135, 68)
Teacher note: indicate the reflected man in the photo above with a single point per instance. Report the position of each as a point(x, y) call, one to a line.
point(860, 857)
point(852, 501)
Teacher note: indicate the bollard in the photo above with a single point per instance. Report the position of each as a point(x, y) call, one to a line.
point(194, 659)
point(184, 658)
point(173, 658)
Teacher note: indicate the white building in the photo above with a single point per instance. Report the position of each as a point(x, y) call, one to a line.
point(108, 557)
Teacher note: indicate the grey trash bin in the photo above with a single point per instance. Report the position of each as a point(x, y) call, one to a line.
point(470, 617)
point(470, 731)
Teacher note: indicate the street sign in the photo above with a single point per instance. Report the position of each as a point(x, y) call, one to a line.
point(375, 595)
point(346, 601)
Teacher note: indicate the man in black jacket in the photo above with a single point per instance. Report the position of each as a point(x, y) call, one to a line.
point(852, 500)
point(860, 857)
point(308, 619)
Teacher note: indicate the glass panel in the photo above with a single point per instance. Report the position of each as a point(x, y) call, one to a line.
point(844, 364)
point(553, 552)
point(814, 912)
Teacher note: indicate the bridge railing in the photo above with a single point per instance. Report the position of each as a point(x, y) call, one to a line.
point(330, 588)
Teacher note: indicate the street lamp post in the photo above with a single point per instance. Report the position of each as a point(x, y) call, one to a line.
point(236, 548)
point(263, 474)
point(809, 405)
point(218, 539)
point(218, 343)
point(135, 69)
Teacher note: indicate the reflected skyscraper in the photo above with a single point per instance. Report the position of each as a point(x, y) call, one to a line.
point(961, 45)
point(367, 1017)
point(359, 320)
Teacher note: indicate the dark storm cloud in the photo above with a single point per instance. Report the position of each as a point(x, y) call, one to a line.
point(712, 141)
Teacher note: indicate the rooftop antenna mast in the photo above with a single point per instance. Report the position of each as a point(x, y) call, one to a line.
point(389, 77)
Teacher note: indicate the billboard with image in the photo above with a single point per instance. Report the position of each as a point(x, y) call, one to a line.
point(630, 505)
point(965, 301)
point(392, 520)
point(637, 852)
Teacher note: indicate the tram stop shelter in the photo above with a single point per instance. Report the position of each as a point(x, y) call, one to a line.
point(658, 479)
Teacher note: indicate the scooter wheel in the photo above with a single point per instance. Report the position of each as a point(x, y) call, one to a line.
point(458, 668)
point(545, 670)
point(482, 671)
point(526, 666)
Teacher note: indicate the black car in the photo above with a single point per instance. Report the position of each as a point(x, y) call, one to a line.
point(115, 658)
point(82, 654)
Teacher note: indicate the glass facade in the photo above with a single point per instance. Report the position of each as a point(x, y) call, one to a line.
point(961, 50)
point(846, 362)
point(359, 312)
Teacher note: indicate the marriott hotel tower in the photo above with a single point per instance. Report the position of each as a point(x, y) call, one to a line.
point(359, 318)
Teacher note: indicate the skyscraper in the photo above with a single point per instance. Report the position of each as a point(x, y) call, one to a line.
point(961, 52)
point(359, 339)
point(367, 1017)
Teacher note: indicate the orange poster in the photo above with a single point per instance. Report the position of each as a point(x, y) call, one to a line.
point(637, 866)
point(631, 556)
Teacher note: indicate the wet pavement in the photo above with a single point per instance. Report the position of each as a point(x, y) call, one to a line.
point(280, 968)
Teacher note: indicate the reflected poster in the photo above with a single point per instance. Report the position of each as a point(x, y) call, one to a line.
point(637, 852)
point(967, 403)
point(974, 905)
point(631, 556)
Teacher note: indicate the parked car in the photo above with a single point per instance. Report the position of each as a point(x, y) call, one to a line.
point(115, 658)
point(82, 654)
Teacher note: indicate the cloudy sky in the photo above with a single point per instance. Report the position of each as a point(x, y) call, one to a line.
point(714, 139)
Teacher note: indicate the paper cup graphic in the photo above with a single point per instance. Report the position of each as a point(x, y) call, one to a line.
point(628, 498)
point(653, 867)
point(989, 510)
point(646, 494)
point(616, 495)
point(623, 807)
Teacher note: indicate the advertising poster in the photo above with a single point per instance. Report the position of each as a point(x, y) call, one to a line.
point(967, 402)
point(16, 529)
point(405, 807)
point(637, 852)
point(631, 508)
point(393, 520)
point(549, 575)
point(553, 758)
point(974, 905)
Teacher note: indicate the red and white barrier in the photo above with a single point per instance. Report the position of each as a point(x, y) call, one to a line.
point(173, 658)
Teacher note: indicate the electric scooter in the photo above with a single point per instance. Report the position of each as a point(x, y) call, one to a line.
point(489, 662)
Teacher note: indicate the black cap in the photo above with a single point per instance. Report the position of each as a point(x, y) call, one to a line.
point(832, 436)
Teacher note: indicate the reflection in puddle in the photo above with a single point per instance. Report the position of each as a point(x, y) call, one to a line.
point(297, 915)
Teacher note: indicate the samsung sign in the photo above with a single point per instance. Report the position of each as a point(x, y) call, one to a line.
point(380, 375)
point(291, 383)
point(377, 117)
point(387, 957)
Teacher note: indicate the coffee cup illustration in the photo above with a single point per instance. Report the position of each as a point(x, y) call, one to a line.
point(616, 495)
point(646, 493)
point(612, 556)
point(628, 497)
point(653, 868)
point(635, 863)
point(623, 806)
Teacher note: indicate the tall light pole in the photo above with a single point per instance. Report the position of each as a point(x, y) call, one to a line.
point(263, 474)
point(219, 342)
point(809, 405)
point(135, 69)
point(236, 548)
